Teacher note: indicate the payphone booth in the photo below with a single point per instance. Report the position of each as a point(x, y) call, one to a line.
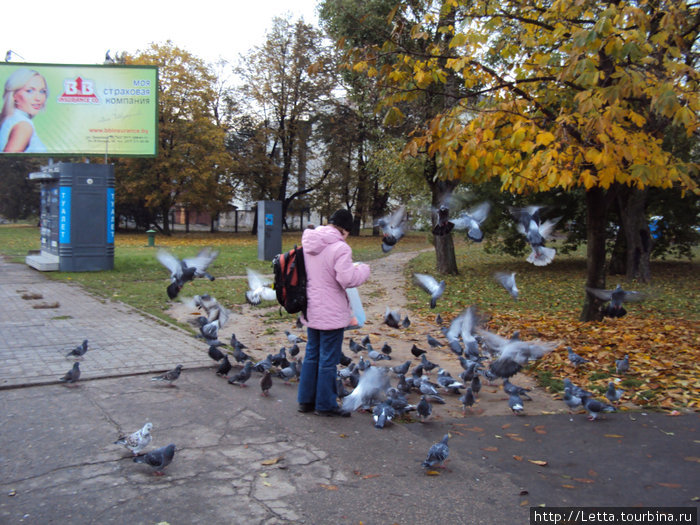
point(77, 218)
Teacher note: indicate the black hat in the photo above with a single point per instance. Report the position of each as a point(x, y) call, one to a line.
point(342, 218)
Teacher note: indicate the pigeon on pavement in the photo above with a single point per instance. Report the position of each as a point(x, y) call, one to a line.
point(467, 400)
point(370, 389)
point(211, 306)
point(392, 317)
point(382, 413)
point(266, 382)
point(515, 403)
point(289, 372)
point(431, 285)
point(137, 441)
point(158, 459)
point(617, 297)
point(224, 367)
point(79, 351)
point(169, 376)
point(507, 280)
point(293, 338)
point(215, 353)
point(438, 453)
point(393, 228)
point(209, 331)
point(595, 407)
point(186, 270)
point(241, 377)
point(258, 289)
point(424, 409)
point(509, 388)
point(417, 352)
point(72, 375)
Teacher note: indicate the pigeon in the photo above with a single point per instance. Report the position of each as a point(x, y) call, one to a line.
point(212, 308)
point(344, 360)
point(572, 400)
point(443, 225)
point(428, 366)
point(137, 441)
point(438, 453)
point(383, 413)
point(434, 343)
point(370, 389)
point(392, 318)
point(72, 375)
point(79, 351)
point(509, 388)
point(280, 358)
point(158, 459)
point(406, 322)
point(471, 220)
point(613, 394)
point(467, 400)
point(365, 340)
point(363, 364)
point(402, 368)
point(209, 331)
point(289, 372)
point(235, 343)
point(224, 367)
point(417, 352)
point(462, 327)
point(266, 382)
point(424, 409)
point(263, 364)
point(186, 270)
point(595, 407)
point(622, 366)
point(536, 233)
point(293, 338)
point(476, 385)
point(241, 377)
point(215, 353)
point(386, 349)
point(258, 289)
point(515, 403)
point(513, 355)
point(169, 376)
point(377, 356)
point(431, 285)
point(507, 280)
point(393, 228)
point(575, 389)
point(427, 388)
point(294, 351)
point(617, 297)
point(340, 388)
point(239, 355)
point(438, 320)
point(449, 383)
point(354, 347)
point(575, 358)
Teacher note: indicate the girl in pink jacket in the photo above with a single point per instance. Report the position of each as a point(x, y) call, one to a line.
point(329, 271)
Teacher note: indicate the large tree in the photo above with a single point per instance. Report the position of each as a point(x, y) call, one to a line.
point(558, 94)
point(192, 164)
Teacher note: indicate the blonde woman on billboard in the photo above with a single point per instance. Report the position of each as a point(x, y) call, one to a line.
point(24, 97)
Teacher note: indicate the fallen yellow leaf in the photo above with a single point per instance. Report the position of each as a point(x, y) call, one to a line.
point(272, 461)
point(538, 462)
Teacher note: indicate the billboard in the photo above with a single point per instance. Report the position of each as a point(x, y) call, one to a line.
point(57, 109)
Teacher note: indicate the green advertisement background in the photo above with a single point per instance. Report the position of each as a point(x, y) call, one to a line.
point(113, 126)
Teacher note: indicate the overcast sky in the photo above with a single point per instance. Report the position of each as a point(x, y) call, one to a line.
point(47, 31)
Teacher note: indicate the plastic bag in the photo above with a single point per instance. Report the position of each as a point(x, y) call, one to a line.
point(358, 312)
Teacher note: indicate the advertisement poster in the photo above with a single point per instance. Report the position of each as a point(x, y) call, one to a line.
point(56, 109)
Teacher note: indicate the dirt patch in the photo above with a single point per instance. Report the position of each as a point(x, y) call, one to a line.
point(261, 328)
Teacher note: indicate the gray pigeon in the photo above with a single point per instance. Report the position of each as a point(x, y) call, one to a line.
point(613, 394)
point(515, 403)
point(424, 409)
point(402, 368)
point(209, 331)
point(137, 441)
point(434, 343)
point(616, 297)
point(370, 389)
point(622, 366)
point(572, 400)
point(513, 355)
point(224, 368)
point(354, 347)
point(215, 353)
point(428, 366)
point(392, 318)
point(507, 280)
point(186, 270)
point(72, 375)
point(406, 322)
point(79, 351)
point(383, 413)
point(431, 285)
point(471, 220)
point(536, 233)
point(266, 382)
point(595, 407)
point(211, 306)
point(241, 377)
point(467, 400)
point(169, 376)
point(293, 338)
point(289, 372)
point(393, 228)
point(438, 453)
point(509, 388)
point(575, 358)
point(158, 459)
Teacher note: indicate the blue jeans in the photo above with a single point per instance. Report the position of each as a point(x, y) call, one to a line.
point(319, 370)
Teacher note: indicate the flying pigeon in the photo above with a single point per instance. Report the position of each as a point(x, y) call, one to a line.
point(393, 228)
point(516, 404)
point(595, 407)
point(370, 389)
point(622, 366)
point(169, 376)
point(467, 400)
point(613, 394)
point(158, 459)
point(186, 270)
point(536, 233)
point(463, 327)
point(211, 306)
point(266, 382)
point(79, 351)
point(258, 289)
point(137, 441)
point(383, 413)
point(72, 375)
point(242, 376)
point(513, 355)
point(575, 358)
point(443, 225)
point(616, 297)
point(392, 317)
point(209, 331)
point(471, 220)
point(224, 367)
point(438, 453)
point(507, 280)
point(431, 285)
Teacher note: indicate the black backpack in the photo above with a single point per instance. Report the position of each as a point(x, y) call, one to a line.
point(290, 280)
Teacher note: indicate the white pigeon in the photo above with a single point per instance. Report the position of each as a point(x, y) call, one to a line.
point(258, 288)
point(214, 310)
point(371, 388)
point(507, 280)
point(137, 441)
point(536, 233)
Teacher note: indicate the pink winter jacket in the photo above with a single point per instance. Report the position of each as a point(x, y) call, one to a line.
point(329, 271)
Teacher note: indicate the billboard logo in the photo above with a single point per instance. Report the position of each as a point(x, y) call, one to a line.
point(78, 91)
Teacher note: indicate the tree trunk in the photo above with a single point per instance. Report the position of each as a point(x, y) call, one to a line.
point(618, 257)
point(632, 206)
point(445, 260)
point(596, 207)
point(187, 220)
